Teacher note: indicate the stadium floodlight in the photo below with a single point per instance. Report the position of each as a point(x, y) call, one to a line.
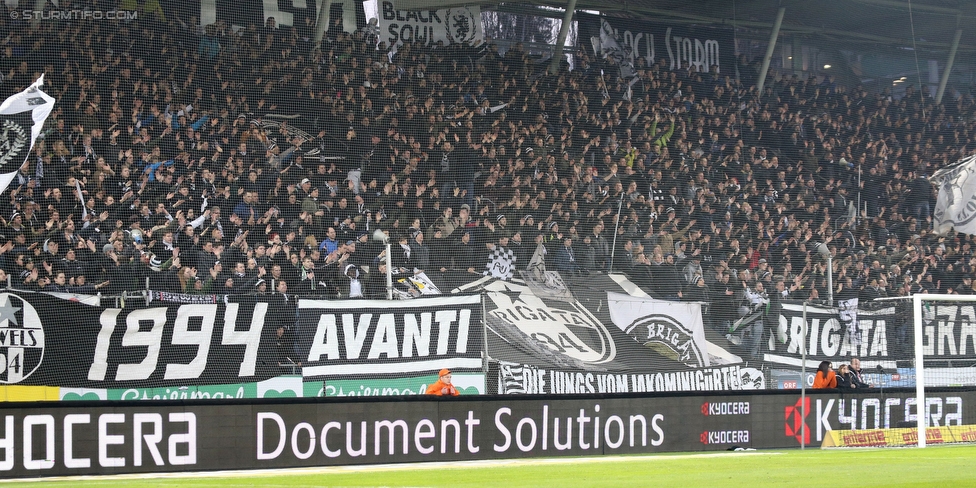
point(379, 235)
point(825, 251)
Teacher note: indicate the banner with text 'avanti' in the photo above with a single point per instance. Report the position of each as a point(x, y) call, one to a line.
point(350, 340)
point(239, 347)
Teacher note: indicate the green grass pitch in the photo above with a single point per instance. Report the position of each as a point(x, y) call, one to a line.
point(942, 466)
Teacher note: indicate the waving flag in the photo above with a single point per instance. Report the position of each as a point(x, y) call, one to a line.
point(22, 117)
point(955, 206)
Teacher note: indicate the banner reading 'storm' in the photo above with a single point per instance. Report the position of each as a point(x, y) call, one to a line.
point(678, 45)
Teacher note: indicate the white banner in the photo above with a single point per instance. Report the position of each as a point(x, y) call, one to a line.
point(673, 329)
point(456, 25)
point(412, 286)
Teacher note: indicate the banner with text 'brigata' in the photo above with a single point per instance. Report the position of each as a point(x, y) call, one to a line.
point(344, 339)
point(886, 331)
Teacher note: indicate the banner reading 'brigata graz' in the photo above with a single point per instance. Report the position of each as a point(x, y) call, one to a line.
point(679, 45)
point(886, 331)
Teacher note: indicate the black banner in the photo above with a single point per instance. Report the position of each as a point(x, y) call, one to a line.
point(528, 327)
point(679, 44)
point(252, 12)
point(886, 330)
point(367, 338)
point(514, 379)
point(52, 342)
point(79, 438)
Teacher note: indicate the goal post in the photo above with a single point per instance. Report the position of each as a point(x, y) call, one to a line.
point(919, 302)
point(922, 420)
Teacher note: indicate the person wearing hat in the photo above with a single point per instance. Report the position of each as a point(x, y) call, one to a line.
point(443, 386)
point(966, 287)
point(501, 226)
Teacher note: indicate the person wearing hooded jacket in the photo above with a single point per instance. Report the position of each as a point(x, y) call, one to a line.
point(443, 385)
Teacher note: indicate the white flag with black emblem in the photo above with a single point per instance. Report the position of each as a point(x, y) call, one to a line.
point(955, 207)
point(22, 117)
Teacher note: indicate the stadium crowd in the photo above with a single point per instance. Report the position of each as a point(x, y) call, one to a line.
point(215, 161)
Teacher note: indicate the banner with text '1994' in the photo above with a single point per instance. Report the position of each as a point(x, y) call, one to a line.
point(191, 344)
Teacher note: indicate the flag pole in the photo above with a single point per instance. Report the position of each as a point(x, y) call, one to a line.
point(616, 227)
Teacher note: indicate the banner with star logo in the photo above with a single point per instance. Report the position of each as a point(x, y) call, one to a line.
point(576, 333)
point(21, 339)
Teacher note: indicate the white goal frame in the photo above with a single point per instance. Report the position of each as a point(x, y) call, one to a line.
point(917, 300)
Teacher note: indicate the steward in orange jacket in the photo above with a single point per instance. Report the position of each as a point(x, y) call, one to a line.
point(443, 386)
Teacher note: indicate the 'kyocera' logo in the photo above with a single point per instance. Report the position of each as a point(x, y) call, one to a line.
point(796, 416)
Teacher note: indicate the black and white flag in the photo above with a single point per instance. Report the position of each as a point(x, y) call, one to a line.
point(608, 46)
point(501, 263)
point(957, 194)
point(22, 117)
point(847, 311)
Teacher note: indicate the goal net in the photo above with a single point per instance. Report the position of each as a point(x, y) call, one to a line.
point(944, 352)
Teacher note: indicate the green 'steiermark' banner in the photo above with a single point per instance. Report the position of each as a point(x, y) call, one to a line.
point(281, 387)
